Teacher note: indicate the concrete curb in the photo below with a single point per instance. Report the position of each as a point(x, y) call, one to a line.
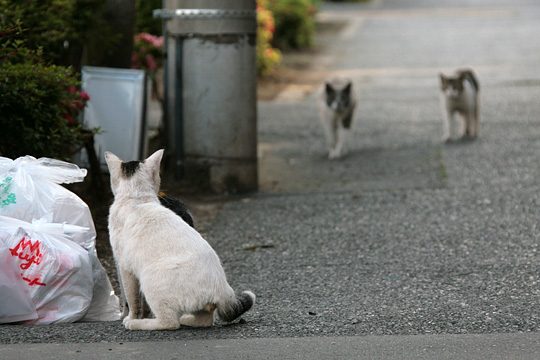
point(470, 346)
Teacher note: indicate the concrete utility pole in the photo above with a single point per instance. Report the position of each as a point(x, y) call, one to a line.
point(211, 91)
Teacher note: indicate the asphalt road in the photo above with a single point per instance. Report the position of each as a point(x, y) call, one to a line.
point(405, 236)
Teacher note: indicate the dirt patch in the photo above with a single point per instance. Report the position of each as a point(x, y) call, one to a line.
point(298, 72)
point(285, 77)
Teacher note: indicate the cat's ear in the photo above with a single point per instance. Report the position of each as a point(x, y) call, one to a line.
point(347, 88)
point(444, 81)
point(154, 161)
point(328, 88)
point(114, 163)
point(152, 164)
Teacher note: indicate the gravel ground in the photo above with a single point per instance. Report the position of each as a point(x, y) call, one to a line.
point(405, 235)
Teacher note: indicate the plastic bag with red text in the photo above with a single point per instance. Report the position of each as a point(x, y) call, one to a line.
point(30, 189)
point(54, 271)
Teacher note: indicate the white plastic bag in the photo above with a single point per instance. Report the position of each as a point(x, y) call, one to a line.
point(105, 305)
point(29, 189)
point(16, 303)
point(53, 271)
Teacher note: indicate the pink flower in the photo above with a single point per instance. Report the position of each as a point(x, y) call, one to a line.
point(147, 52)
point(85, 96)
point(146, 37)
point(70, 119)
point(156, 41)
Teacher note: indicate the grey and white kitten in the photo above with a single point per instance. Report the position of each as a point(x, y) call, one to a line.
point(460, 94)
point(337, 102)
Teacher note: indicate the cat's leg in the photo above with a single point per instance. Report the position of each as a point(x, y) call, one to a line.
point(472, 125)
point(327, 128)
point(476, 125)
point(201, 318)
point(166, 315)
point(165, 320)
point(130, 284)
point(141, 313)
point(476, 117)
point(333, 151)
point(339, 149)
point(446, 126)
point(331, 132)
point(123, 301)
point(455, 126)
point(334, 138)
point(145, 309)
point(469, 124)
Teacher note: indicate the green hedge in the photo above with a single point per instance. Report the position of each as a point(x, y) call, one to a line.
point(60, 28)
point(295, 23)
point(35, 109)
point(144, 19)
point(38, 102)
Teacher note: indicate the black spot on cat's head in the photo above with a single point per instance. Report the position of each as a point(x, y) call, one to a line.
point(129, 168)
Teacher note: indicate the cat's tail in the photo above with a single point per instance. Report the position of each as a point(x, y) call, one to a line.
point(235, 306)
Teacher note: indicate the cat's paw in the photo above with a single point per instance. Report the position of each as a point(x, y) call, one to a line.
point(127, 323)
point(450, 141)
point(127, 319)
point(333, 154)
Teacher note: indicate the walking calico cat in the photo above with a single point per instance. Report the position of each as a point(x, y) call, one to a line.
point(159, 254)
point(337, 102)
point(461, 97)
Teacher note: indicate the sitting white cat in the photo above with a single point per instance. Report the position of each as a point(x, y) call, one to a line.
point(159, 254)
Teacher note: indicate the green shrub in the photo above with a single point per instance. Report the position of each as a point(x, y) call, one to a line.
point(61, 28)
point(144, 20)
point(39, 102)
point(46, 23)
point(35, 114)
point(295, 23)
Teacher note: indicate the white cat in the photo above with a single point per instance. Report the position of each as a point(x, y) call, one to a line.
point(336, 104)
point(159, 254)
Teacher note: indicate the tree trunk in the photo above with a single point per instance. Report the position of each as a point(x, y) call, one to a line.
point(120, 14)
point(113, 44)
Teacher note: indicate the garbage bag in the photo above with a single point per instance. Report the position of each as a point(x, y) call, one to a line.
point(29, 189)
point(15, 300)
point(54, 272)
point(105, 305)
